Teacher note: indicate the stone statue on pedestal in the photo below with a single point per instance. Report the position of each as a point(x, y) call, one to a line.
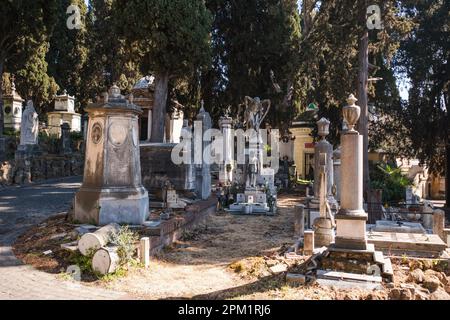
point(255, 112)
point(29, 126)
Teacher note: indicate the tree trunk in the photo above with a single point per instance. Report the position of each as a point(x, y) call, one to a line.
point(447, 173)
point(306, 17)
point(92, 241)
point(159, 107)
point(363, 66)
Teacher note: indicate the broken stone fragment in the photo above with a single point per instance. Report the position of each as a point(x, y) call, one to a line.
point(439, 294)
point(431, 282)
point(416, 276)
point(278, 268)
point(400, 294)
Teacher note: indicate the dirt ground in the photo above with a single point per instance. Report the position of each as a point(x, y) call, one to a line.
point(229, 258)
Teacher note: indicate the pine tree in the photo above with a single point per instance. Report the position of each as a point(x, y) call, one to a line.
point(172, 38)
point(250, 40)
point(24, 26)
point(68, 52)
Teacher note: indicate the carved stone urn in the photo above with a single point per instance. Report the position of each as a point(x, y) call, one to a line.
point(351, 114)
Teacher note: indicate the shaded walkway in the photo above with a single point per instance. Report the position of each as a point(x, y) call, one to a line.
point(21, 208)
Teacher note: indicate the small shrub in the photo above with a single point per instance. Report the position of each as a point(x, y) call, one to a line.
point(125, 240)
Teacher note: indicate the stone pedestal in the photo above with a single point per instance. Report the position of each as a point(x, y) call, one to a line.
point(226, 169)
point(112, 190)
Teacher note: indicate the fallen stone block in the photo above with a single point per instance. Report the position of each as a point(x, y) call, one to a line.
point(279, 268)
point(295, 279)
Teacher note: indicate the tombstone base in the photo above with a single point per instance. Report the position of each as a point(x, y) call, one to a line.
point(351, 232)
point(358, 261)
point(104, 206)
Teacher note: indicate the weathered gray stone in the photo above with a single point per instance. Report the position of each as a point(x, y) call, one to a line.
point(112, 190)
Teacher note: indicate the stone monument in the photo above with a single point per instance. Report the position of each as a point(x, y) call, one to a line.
point(351, 218)
point(324, 147)
point(226, 169)
point(325, 224)
point(12, 108)
point(29, 131)
point(202, 170)
point(64, 113)
point(112, 190)
point(259, 195)
point(351, 252)
point(65, 141)
point(143, 94)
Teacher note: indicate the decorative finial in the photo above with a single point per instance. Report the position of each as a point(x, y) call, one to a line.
point(323, 126)
point(351, 100)
point(351, 113)
point(114, 91)
point(202, 104)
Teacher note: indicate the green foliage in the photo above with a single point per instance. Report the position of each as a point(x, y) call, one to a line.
point(249, 40)
point(83, 262)
point(68, 51)
point(24, 30)
point(389, 179)
point(125, 240)
point(49, 143)
point(76, 136)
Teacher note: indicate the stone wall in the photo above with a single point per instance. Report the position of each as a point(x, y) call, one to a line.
point(40, 168)
point(157, 167)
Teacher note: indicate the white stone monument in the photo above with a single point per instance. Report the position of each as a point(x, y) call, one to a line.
point(112, 190)
point(12, 109)
point(226, 169)
point(64, 113)
point(29, 130)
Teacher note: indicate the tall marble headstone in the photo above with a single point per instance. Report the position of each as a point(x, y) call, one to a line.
point(203, 174)
point(351, 218)
point(112, 190)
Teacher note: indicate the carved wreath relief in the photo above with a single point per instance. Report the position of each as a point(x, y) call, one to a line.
point(97, 133)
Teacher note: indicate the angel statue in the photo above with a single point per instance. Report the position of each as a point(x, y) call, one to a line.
point(255, 112)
